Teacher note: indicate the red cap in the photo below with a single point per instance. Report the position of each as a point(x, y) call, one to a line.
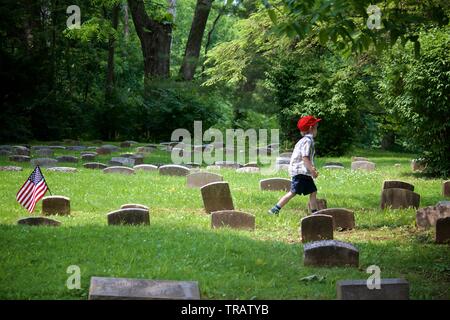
point(305, 123)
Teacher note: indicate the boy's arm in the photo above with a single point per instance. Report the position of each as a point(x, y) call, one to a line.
point(310, 167)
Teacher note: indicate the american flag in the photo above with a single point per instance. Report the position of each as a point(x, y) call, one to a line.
point(32, 190)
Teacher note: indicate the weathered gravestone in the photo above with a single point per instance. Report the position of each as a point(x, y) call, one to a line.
point(125, 144)
point(390, 289)
point(146, 167)
point(316, 227)
point(102, 150)
point(233, 219)
point(428, 216)
point(140, 289)
point(119, 169)
point(145, 149)
point(130, 161)
point(343, 219)
point(133, 205)
point(217, 197)
point(55, 205)
point(443, 230)
point(446, 188)
point(388, 184)
point(44, 162)
point(200, 179)
point(10, 168)
point(418, 165)
point(248, 170)
point(95, 165)
point(174, 170)
point(88, 156)
point(71, 159)
point(363, 165)
point(76, 148)
point(129, 216)
point(38, 221)
point(330, 253)
point(397, 198)
point(18, 158)
point(321, 204)
point(63, 169)
point(275, 184)
point(44, 153)
point(21, 151)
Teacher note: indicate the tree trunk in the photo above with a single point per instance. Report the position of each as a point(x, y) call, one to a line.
point(155, 40)
point(194, 43)
point(126, 29)
point(111, 48)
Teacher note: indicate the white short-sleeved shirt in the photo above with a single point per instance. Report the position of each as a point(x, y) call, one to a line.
point(303, 148)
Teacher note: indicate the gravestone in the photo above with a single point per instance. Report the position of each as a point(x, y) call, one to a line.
point(18, 158)
point(140, 289)
point(119, 169)
point(321, 204)
point(359, 159)
point(248, 170)
point(38, 221)
point(339, 164)
point(363, 165)
point(21, 151)
point(133, 205)
point(174, 170)
point(103, 151)
point(44, 153)
point(217, 197)
point(333, 167)
point(418, 165)
point(95, 165)
point(57, 147)
point(10, 168)
point(228, 164)
point(88, 156)
point(232, 219)
point(388, 184)
point(145, 149)
point(200, 179)
point(71, 159)
point(125, 144)
point(5, 153)
point(330, 253)
point(446, 188)
point(275, 184)
point(122, 161)
point(76, 148)
point(146, 167)
point(343, 219)
point(316, 227)
point(44, 162)
point(428, 216)
point(55, 205)
point(282, 163)
point(443, 230)
point(63, 169)
point(129, 216)
point(390, 289)
point(397, 198)
point(111, 147)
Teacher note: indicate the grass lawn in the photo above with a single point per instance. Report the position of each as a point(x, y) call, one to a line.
point(228, 264)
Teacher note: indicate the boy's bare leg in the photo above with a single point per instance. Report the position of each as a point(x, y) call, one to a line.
point(282, 202)
point(313, 202)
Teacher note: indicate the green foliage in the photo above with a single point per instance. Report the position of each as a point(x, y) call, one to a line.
point(418, 91)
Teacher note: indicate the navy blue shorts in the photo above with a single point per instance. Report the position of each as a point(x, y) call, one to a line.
point(303, 184)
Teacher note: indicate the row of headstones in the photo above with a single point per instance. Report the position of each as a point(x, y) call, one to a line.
point(358, 163)
point(106, 288)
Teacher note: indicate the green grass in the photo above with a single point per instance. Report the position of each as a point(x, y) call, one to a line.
point(228, 264)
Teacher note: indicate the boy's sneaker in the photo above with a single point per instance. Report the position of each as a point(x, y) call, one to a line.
point(274, 211)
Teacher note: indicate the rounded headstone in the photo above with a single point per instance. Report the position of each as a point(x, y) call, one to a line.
point(387, 184)
point(88, 157)
point(44, 153)
point(71, 159)
point(316, 227)
point(38, 221)
point(363, 165)
point(95, 165)
point(330, 253)
point(119, 169)
point(275, 184)
point(146, 167)
point(21, 151)
point(397, 198)
point(343, 219)
point(55, 205)
point(133, 205)
point(44, 162)
point(173, 170)
point(217, 197)
point(130, 216)
point(232, 219)
point(19, 158)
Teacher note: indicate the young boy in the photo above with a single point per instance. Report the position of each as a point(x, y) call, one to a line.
point(301, 167)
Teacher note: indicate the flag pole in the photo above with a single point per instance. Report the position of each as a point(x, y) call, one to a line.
point(48, 188)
